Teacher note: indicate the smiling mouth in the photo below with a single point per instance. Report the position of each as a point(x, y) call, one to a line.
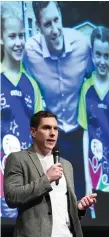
point(102, 69)
point(56, 38)
point(18, 51)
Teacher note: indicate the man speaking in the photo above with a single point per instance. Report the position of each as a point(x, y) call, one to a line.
point(44, 208)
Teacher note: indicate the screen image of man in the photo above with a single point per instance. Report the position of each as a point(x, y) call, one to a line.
point(59, 59)
point(44, 208)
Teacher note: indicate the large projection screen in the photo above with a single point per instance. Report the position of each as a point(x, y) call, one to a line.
point(83, 16)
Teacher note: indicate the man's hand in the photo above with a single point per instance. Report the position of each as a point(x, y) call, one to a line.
point(55, 172)
point(87, 201)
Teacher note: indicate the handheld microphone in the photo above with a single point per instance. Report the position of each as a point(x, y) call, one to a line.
point(56, 156)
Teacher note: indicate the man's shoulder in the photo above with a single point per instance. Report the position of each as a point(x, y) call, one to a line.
point(32, 42)
point(17, 155)
point(65, 162)
point(75, 35)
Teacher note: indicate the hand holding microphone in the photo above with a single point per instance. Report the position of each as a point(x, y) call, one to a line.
point(54, 173)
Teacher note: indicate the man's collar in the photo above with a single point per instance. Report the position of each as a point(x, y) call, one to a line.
point(67, 46)
point(45, 50)
point(67, 41)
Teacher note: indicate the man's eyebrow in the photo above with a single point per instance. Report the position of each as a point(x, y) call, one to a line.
point(47, 22)
point(46, 125)
point(49, 126)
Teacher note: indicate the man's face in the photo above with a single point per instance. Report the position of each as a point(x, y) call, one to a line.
point(45, 136)
point(100, 57)
point(51, 28)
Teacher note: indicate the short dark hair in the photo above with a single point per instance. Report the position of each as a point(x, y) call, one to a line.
point(36, 118)
point(101, 33)
point(38, 6)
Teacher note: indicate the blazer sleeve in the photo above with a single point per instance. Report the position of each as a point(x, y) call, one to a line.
point(16, 193)
point(81, 213)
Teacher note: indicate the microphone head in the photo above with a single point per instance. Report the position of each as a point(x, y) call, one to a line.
point(56, 151)
point(56, 156)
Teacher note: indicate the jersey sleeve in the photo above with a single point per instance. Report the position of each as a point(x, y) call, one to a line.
point(38, 99)
point(82, 114)
point(38, 102)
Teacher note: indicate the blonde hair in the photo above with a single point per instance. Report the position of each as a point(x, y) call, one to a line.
point(8, 10)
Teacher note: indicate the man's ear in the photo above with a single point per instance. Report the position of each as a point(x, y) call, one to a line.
point(33, 132)
point(37, 27)
point(92, 57)
point(1, 42)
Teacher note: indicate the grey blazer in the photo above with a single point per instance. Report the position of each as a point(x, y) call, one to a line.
point(27, 188)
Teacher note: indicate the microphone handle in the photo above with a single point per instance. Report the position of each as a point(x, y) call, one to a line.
point(57, 159)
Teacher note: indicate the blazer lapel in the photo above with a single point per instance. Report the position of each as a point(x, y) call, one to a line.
point(67, 177)
point(33, 156)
